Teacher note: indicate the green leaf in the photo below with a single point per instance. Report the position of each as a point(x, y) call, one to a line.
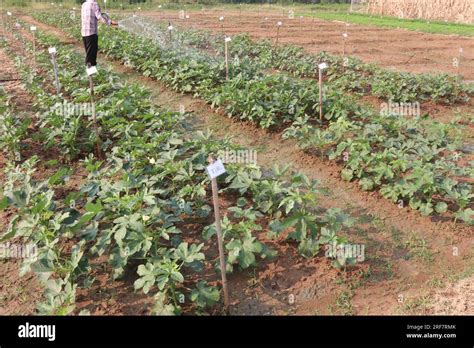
point(4, 203)
point(347, 174)
point(441, 207)
point(94, 208)
point(204, 295)
point(59, 176)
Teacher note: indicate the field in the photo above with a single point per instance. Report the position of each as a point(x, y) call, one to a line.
point(357, 202)
point(403, 50)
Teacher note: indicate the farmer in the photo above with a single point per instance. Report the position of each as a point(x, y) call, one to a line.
point(90, 13)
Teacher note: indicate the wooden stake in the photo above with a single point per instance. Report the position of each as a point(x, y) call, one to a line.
point(226, 49)
point(34, 51)
point(94, 118)
point(461, 51)
point(320, 94)
point(278, 32)
point(215, 200)
point(55, 69)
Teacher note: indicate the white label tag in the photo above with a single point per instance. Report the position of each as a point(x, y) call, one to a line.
point(215, 169)
point(33, 28)
point(170, 28)
point(344, 35)
point(221, 18)
point(91, 71)
point(279, 24)
point(322, 66)
point(461, 50)
point(52, 50)
point(9, 13)
point(187, 16)
point(228, 39)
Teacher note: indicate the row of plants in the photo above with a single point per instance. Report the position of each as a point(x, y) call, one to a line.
point(137, 205)
point(413, 162)
point(348, 73)
point(268, 100)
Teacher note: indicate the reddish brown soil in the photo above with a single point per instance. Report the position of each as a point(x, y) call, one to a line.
point(392, 48)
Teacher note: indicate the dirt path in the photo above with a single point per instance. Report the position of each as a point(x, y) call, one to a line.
point(405, 252)
point(391, 48)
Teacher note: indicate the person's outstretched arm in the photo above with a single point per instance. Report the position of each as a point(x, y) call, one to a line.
point(104, 18)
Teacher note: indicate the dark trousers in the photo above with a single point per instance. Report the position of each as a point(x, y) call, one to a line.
point(91, 44)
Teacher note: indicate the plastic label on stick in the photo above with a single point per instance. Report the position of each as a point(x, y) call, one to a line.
point(215, 169)
point(279, 24)
point(52, 50)
point(322, 66)
point(228, 39)
point(33, 28)
point(91, 71)
point(9, 13)
point(170, 28)
point(345, 35)
point(221, 18)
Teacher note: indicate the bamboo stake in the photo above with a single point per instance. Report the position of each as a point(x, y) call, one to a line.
point(321, 67)
point(321, 94)
point(220, 243)
point(461, 51)
point(226, 49)
point(94, 116)
point(279, 24)
point(52, 52)
point(33, 29)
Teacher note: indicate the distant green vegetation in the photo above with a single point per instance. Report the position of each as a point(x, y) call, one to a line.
point(391, 22)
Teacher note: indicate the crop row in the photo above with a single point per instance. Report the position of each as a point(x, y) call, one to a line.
point(347, 73)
